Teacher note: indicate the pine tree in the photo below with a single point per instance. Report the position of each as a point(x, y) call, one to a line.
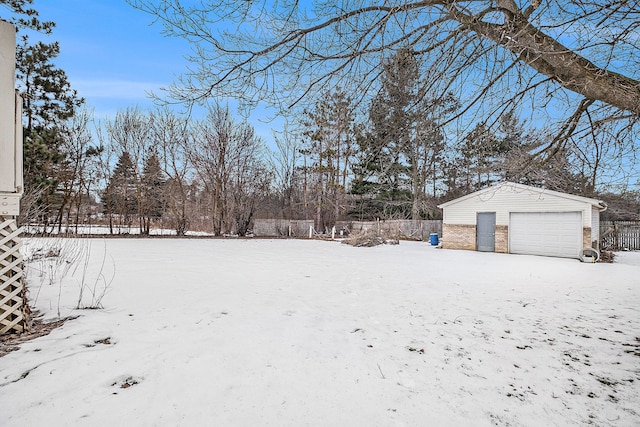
point(119, 197)
point(48, 100)
point(23, 16)
point(401, 152)
point(329, 140)
point(392, 118)
point(153, 192)
point(475, 161)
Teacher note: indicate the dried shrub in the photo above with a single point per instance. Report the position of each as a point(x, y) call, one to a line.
point(607, 256)
point(370, 238)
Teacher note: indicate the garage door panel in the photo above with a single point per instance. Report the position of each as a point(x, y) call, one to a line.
point(546, 233)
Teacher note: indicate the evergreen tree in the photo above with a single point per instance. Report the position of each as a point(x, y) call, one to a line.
point(329, 140)
point(48, 101)
point(402, 152)
point(153, 192)
point(23, 16)
point(474, 161)
point(47, 93)
point(512, 158)
point(119, 197)
point(507, 152)
point(392, 118)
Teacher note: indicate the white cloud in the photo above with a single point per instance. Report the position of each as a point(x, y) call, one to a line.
point(116, 89)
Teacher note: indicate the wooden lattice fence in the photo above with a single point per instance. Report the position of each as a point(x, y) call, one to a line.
point(281, 227)
point(12, 307)
point(616, 235)
point(419, 230)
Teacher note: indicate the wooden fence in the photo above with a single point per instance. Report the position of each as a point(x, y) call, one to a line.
point(419, 230)
point(281, 227)
point(616, 235)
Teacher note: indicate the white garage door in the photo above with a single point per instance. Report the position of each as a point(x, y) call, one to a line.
point(546, 233)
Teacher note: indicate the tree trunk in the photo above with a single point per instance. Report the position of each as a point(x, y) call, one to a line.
point(560, 63)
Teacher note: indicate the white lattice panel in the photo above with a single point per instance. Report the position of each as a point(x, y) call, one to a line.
point(12, 310)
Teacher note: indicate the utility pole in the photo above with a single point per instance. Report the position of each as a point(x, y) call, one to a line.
point(12, 306)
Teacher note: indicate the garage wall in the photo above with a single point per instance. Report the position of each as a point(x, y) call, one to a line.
point(506, 199)
point(456, 236)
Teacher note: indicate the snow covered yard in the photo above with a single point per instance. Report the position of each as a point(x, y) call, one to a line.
point(293, 332)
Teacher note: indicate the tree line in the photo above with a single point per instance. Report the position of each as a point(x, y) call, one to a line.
point(394, 155)
point(394, 161)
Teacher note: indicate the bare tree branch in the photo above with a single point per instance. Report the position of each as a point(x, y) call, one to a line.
point(547, 56)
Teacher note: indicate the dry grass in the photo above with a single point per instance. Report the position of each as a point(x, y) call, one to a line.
point(11, 342)
point(370, 238)
point(607, 256)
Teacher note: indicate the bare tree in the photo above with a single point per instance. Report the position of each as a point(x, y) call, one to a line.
point(227, 158)
point(172, 135)
point(574, 63)
point(285, 162)
point(250, 186)
point(74, 172)
point(606, 162)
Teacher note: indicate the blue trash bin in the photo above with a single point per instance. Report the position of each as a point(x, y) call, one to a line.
point(433, 239)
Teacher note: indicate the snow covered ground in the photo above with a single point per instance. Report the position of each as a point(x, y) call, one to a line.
point(295, 332)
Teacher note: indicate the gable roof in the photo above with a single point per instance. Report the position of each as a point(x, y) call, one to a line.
point(598, 204)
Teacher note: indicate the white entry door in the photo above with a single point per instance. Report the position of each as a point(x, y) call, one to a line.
point(546, 233)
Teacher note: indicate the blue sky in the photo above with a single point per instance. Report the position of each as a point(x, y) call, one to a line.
point(114, 56)
point(111, 52)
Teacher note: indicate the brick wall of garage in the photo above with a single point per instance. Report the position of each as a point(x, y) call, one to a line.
point(502, 239)
point(459, 236)
point(586, 238)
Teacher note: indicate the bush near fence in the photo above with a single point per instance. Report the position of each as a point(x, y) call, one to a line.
point(418, 230)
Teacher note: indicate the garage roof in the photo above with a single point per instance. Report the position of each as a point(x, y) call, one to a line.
point(598, 204)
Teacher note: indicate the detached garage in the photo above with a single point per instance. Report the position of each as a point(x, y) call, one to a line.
point(520, 219)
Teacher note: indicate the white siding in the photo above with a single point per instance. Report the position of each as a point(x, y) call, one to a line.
point(7, 113)
point(506, 199)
